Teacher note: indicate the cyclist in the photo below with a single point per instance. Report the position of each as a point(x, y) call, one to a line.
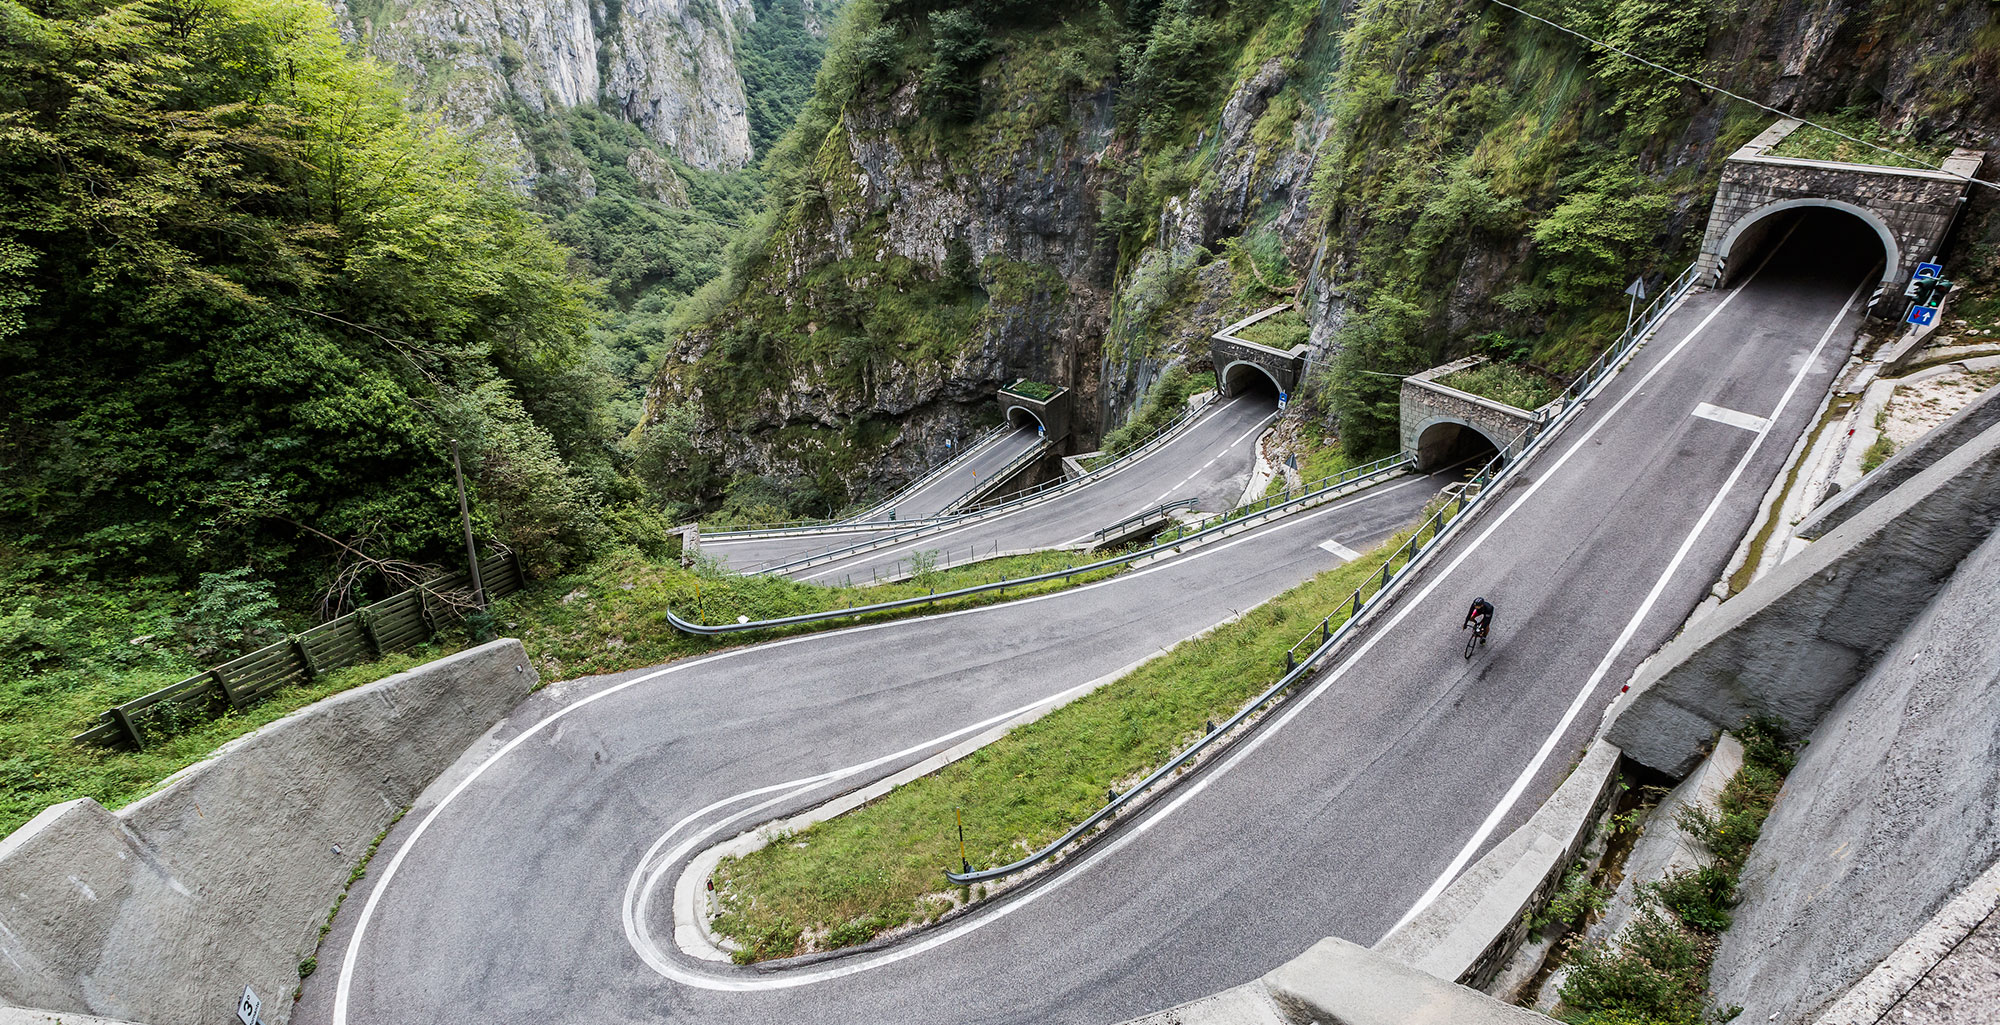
point(1479, 618)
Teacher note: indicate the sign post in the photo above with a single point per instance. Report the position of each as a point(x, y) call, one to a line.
point(1637, 290)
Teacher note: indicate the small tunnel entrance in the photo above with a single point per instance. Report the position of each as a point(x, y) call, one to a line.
point(1021, 416)
point(1808, 242)
point(1449, 442)
point(1249, 379)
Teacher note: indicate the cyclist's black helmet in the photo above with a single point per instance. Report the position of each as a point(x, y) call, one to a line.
point(1479, 601)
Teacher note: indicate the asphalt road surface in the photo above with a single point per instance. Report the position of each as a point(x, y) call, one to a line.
point(961, 476)
point(507, 902)
point(1210, 461)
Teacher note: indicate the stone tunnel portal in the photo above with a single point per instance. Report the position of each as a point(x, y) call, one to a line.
point(1444, 442)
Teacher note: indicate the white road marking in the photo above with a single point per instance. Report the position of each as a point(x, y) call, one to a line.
point(1747, 421)
point(1521, 782)
point(343, 991)
point(1340, 551)
point(836, 565)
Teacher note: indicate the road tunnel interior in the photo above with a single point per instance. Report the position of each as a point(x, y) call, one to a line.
point(1447, 443)
point(1249, 379)
point(1806, 243)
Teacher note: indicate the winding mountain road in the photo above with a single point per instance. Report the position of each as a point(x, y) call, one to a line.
point(509, 892)
point(1210, 461)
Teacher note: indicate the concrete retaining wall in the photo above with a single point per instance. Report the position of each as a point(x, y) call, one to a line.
point(1940, 441)
point(1893, 809)
point(1793, 642)
point(165, 910)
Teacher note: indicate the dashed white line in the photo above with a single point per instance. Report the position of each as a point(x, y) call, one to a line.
point(1340, 551)
point(1747, 421)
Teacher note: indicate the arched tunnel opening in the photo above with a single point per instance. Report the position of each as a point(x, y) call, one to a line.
point(1809, 243)
point(1021, 416)
point(1249, 379)
point(1449, 443)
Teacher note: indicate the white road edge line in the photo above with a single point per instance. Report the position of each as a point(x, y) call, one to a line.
point(1576, 706)
point(834, 567)
point(351, 957)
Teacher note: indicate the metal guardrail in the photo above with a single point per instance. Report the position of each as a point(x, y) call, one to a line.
point(1324, 638)
point(1608, 360)
point(1296, 670)
point(861, 522)
point(1021, 501)
point(1331, 480)
point(924, 479)
point(998, 477)
point(1161, 510)
point(1000, 585)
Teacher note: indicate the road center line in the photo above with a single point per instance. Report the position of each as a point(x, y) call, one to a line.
point(1746, 421)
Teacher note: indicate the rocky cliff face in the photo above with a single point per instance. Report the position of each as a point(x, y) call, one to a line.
point(1421, 178)
point(667, 66)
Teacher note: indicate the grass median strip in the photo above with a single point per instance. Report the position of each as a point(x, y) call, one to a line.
point(880, 867)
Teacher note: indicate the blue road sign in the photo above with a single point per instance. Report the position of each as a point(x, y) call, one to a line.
point(1929, 270)
point(1922, 315)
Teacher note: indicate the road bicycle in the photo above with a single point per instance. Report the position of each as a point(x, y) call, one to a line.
point(1477, 637)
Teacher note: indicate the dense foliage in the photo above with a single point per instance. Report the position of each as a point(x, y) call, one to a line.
point(249, 305)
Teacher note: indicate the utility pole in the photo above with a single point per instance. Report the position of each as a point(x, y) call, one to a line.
point(465, 520)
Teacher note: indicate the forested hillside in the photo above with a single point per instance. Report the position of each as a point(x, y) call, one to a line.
point(247, 303)
point(1080, 193)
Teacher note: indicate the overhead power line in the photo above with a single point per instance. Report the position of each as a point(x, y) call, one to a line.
point(1712, 87)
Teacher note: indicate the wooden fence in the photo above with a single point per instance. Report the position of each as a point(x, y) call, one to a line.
point(392, 624)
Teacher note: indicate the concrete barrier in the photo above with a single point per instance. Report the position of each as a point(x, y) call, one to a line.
point(1476, 924)
point(1341, 983)
point(1888, 817)
point(164, 911)
point(1793, 642)
point(1968, 423)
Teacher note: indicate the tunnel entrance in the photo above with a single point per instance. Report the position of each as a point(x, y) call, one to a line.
point(1448, 442)
point(1246, 378)
point(1797, 240)
point(1021, 416)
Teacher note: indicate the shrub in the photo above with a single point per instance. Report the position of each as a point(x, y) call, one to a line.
point(1702, 897)
point(1657, 969)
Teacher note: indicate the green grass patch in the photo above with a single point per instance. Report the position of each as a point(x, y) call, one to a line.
point(1514, 384)
point(1033, 389)
point(1655, 972)
point(607, 617)
point(845, 880)
point(1877, 454)
point(1279, 331)
point(1809, 143)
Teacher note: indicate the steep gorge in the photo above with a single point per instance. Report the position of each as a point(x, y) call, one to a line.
point(1080, 195)
point(667, 66)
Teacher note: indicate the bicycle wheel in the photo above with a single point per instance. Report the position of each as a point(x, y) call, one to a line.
point(1471, 642)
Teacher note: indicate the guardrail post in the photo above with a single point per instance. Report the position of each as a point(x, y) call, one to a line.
point(228, 692)
point(305, 657)
point(125, 723)
point(367, 622)
point(1289, 664)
